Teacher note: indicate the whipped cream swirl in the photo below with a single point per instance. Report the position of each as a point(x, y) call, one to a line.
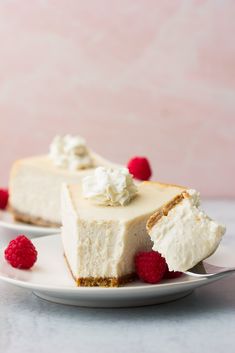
point(109, 187)
point(70, 152)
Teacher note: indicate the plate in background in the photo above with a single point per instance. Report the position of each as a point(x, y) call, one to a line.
point(9, 228)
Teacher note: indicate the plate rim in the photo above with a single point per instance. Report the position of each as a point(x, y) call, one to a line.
point(25, 226)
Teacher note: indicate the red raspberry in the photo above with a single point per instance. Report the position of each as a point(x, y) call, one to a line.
point(21, 252)
point(140, 168)
point(150, 266)
point(3, 198)
point(171, 274)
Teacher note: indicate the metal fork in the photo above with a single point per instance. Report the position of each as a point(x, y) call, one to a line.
point(204, 269)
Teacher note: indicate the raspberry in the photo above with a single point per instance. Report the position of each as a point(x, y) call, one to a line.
point(3, 198)
point(140, 168)
point(21, 253)
point(171, 274)
point(150, 266)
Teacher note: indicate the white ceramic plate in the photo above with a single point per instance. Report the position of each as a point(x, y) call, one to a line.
point(9, 229)
point(50, 279)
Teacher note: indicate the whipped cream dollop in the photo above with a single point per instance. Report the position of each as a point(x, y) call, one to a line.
point(186, 235)
point(70, 152)
point(109, 187)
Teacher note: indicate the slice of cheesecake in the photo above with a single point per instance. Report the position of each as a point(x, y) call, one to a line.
point(182, 233)
point(103, 231)
point(35, 183)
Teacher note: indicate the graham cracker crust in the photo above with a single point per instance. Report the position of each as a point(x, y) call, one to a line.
point(22, 217)
point(101, 281)
point(105, 281)
point(163, 211)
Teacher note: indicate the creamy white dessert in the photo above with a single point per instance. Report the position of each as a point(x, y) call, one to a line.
point(35, 183)
point(182, 233)
point(104, 225)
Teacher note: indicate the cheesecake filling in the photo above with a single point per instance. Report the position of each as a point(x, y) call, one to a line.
point(100, 247)
point(70, 152)
point(109, 187)
point(186, 235)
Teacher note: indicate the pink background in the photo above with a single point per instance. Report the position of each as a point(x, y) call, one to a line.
point(134, 77)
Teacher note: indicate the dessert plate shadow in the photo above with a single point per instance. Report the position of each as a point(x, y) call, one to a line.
point(50, 279)
point(9, 228)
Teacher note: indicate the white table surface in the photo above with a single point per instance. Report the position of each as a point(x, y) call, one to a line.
point(201, 322)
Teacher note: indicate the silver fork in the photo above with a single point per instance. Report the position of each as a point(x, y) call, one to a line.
point(204, 269)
